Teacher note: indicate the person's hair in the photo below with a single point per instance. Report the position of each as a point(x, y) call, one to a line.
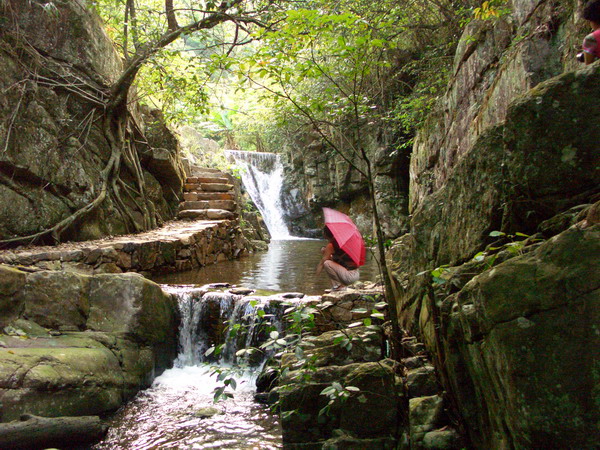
point(591, 11)
point(327, 232)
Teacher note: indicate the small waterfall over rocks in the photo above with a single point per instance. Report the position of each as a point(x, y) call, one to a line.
point(263, 178)
point(208, 318)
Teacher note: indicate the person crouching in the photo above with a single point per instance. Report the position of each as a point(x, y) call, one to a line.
point(340, 268)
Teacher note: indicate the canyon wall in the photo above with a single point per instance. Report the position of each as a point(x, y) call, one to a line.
point(511, 150)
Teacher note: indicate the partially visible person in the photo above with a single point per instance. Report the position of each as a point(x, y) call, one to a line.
point(340, 268)
point(591, 43)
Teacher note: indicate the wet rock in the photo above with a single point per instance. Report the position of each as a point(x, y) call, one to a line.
point(425, 414)
point(421, 382)
point(241, 291)
point(205, 413)
point(442, 440)
point(218, 285)
point(293, 295)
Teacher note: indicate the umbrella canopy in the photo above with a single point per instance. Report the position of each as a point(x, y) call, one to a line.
point(346, 235)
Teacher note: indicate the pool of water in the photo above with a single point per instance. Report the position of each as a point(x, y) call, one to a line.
point(178, 412)
point(288, 265)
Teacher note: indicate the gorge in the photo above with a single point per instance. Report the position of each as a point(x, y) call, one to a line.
point(486, 187)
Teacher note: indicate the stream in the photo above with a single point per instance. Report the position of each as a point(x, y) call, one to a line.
point(178, 411)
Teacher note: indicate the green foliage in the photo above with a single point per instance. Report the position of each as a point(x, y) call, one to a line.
point(513, 243)
point(491, 10)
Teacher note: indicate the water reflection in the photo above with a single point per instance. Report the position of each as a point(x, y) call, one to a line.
point(178, 412)
point(288, 265)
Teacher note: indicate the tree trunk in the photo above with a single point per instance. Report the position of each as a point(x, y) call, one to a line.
point(33, 432)
point(387, 279)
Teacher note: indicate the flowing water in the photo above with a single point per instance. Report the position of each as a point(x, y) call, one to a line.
point(286, 266)
point(262, 175)
point(178, 410)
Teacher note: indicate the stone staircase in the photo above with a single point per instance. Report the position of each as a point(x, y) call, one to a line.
point(208, 195)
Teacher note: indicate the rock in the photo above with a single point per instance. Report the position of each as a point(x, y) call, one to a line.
point(412, 346)
point(340, 348)
point(241, 291)
point(293, 295)
point(11, 281)
point(130, 336)
point(47, 190)
point(371, 412)
point(52, 299)
point(131, 304)
point(205, 413)
point(527, 316)
point(424, 414)
point(421, 382)
point(30, 328)
point(442, 439)
point(59, 381)
point(260, 246)
point(346, 441)
point(414, 362)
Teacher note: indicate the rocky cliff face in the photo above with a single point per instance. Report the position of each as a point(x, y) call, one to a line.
point(326, 179)
point(56, 66)
point(512, 147)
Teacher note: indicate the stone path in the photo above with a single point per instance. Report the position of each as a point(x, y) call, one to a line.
point(178, 245)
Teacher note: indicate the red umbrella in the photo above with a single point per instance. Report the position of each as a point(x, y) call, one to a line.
point(346, 235)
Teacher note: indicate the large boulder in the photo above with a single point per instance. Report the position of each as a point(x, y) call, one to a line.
point(372, 411)
point(521, 345)
point(511, 147)
point(74, 344)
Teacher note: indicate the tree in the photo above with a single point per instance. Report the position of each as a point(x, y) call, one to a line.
point(334, 63)
point(145, 35)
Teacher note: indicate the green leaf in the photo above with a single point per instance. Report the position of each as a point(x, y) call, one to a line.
point(497, 234)
point(274, 334)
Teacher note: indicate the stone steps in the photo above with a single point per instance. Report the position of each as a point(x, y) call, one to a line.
point(195, 196)
point(208, 195)
point(206, 214)
point(207, 187)
point(228, 205)
point(207, 180)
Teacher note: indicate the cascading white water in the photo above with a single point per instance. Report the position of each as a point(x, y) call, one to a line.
point(178, 410)
point(262, 176)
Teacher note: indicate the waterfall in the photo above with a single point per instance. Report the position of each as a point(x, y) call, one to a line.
point(208, 318)
point(263, 178)
point(178, 410)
